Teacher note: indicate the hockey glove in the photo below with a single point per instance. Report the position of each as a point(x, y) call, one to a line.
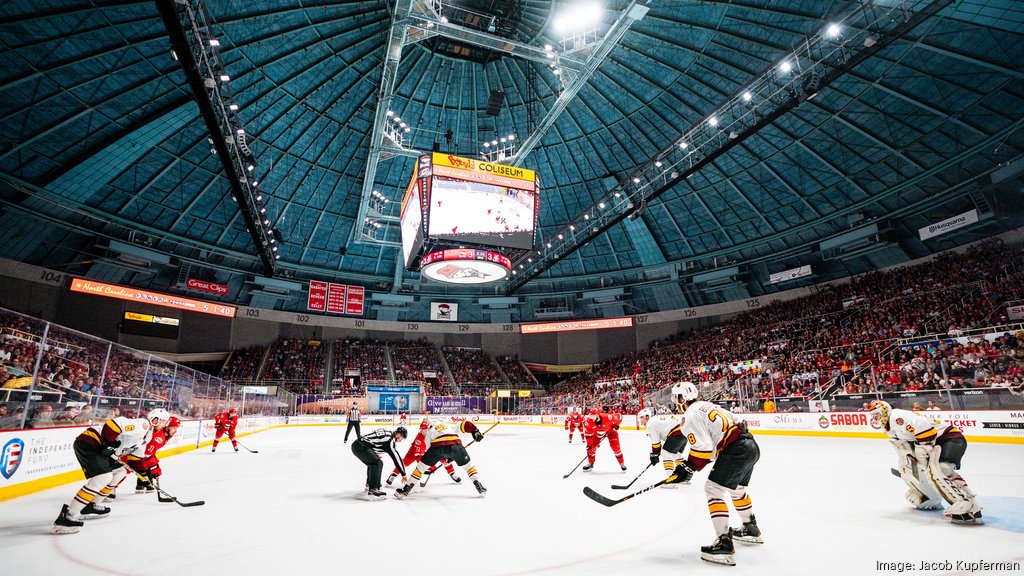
point(682, 475)
point(654, 458)
point(478, 436)
point(110, 449)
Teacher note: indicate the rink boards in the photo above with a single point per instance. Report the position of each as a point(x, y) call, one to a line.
point(38, 459)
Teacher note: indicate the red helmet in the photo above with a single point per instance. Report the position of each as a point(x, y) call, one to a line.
point(232, 411)
point(594, 411)
point(425, 424)
point(173, 422)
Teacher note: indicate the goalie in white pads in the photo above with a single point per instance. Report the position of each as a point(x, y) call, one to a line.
point(667, 440)
point(716, 435)
point(929, 454)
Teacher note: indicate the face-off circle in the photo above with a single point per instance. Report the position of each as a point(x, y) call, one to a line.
point(465, 266)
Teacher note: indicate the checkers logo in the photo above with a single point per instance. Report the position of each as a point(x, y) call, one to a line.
point(10, 457)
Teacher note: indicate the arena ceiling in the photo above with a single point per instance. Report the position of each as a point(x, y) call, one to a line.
point(106, 167)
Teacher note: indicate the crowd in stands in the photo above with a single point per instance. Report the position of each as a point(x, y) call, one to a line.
point(793, 348)
point(517, 374)
point(243, 364)
point(411, 359)
point(368, 355)
point(473, 367)
point(295, 359)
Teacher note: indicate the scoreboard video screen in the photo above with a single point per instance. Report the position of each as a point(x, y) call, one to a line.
point(464, 201)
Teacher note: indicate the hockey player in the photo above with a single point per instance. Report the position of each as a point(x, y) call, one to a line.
point(161, 435)
point(226, 422)
point(415, 453)
point(596, 427)
point(716, 435)
point(667, 440)
point(97, 452)
point(368, 449)
point(573, 421)
point(929, 453)
point(445, 443)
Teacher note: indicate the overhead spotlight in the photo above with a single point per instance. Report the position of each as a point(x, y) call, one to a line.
point(263, 210)
point(549, 244)
point(586, 216)
point(618, 195)
point(494, 142)
point(487, 144)
point(408, 129)
point(214, 42)
point(548, 47)
point(233, 107)
point(444, 19)
point(683, 145)
point(529, 259)
point(636, 180)
point(658, 163)
point(174, 55)
point(272, 241)
point(267, 222)
point(240, 131)
point(250, 167)
point(833, 30)
point(225, 78)
point(572, 228)
point(713, 121)
point(511, 137)
point(557, 71)
point(747, 97)
point(520, 266)
point(390, 113)
point(785, 66)
point(255, 182)
point(601, 205)
point(397, 119)
point(559, 236)
point(274, 248)
point(513, 272)
point(277, 256)
point(503, 140)
point(259, 197)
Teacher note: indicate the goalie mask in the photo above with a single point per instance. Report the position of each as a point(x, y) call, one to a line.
point(879, 411)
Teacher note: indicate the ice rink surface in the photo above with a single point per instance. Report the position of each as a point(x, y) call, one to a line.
point(825, 506)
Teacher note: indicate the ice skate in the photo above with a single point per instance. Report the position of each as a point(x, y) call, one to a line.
point(403, 492)
point(720, 552)
point(588, 467)
point(456, 479)
point(93, 511)
point(748, 534)
point(968, 519)
point(391, 479)
point(480, 488)
point(375, 495)
point(65, 524)
point(623, 466)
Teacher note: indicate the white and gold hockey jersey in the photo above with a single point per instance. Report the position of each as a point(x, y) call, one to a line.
point(660, 428)
point(709, 429)
point(132, 433)
point(915, 428)
point(441, 433)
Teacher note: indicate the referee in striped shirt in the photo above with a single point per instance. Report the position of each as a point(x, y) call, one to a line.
point(353, 421)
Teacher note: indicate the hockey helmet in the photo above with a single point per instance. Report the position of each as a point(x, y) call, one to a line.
point(685, 389)
point(594, 411)
point(401, 431)
point(173, 422)
point(425, 424)
point(645, 413)
point(232, 411)
point(161, 416)
point(879, 411)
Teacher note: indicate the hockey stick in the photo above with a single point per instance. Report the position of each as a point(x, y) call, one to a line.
point(581, 461)
point(484, 433)
point(163, 496)
point(247, 448)
point(589, 492)
point(617, 487)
